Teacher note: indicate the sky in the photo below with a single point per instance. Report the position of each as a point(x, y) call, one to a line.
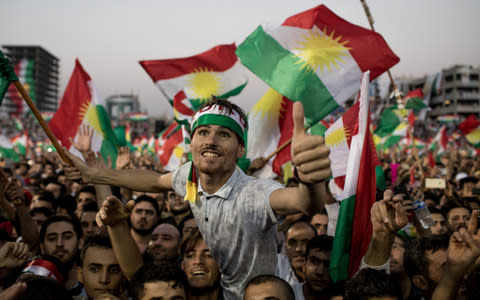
point(110, 36)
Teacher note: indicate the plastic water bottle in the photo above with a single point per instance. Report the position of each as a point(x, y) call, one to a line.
point(423, 214)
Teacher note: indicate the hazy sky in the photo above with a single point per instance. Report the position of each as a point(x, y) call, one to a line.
point(110, 37)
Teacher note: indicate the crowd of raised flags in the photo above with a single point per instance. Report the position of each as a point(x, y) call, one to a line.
point(314, 57)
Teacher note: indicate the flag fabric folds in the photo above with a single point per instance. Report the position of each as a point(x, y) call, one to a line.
point(82, 105)
point(471, 129)
point(414, 100)
point(190, 81)
point(270, 126)
point(7, 75)
point(351, 240)
point(317, 58)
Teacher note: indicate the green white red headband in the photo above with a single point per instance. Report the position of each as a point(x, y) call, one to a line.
point(219, 115)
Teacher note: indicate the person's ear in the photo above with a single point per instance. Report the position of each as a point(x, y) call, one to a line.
point(241, 151)
point(79, 274)
point(420, 282)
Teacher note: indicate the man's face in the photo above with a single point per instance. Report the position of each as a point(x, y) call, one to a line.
point(200, 267)
point(163, 290)
point(265, 291)
point(396, 256)
point(89, 225)
point(439, 226)
point(48, 170)
point(84, 198)
point(164, 243)
point(38, 220)
point(320, 222)
point(215, 150)
point(143, 217)
point(188, 225)
point(176, 203)
point(55, 189)
point(60, 241)
point(100, 272)
point(457, 217)
point(317, 277)
point(296, 241)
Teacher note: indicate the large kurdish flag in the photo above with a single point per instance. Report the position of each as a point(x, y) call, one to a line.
point(354, 228)
point(82, 105)
point(317, 58)
point(24, 70)
point(190, 81)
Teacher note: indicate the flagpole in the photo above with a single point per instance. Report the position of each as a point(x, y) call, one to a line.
point(42, 122)
point(283, 146)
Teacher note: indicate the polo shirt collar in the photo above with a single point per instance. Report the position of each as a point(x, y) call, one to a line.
point(226, 189)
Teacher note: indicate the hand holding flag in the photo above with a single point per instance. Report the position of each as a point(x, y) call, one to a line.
point(309, 152)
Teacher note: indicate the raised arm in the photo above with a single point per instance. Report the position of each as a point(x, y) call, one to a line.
point(138, 180)
point(114, 215)
point(310, 157)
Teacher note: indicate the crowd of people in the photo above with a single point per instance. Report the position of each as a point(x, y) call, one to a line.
point(82, 230)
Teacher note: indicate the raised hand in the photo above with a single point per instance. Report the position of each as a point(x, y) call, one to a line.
point(84, 139)
point(79, 170)
point(389, 215)
point(309, 153)
point(113, 211)
point(123, 158)
point(13, 254)
point(14, 192)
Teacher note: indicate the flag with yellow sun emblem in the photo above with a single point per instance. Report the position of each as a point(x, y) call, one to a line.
point(317, 58)
point(82, 105)
point(190, 81)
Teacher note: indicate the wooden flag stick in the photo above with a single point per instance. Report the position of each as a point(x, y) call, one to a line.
point(283, 146)
point(42, 122)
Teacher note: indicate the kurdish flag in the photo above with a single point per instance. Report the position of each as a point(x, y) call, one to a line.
point(317, 58)
point(354, 228)
point(440, 141)
point(389, 120)
point(82, 105)
point(471, 129)
point(172, 147)
point(21, 142)
point(270, 126)
point(414, 100)
point(399, 133)
point(7, 150)
point(190, 81)
point(7, 75)
point(24, 69)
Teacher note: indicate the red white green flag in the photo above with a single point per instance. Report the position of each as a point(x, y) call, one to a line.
point(270, 126)
point(471, 129)
point(82, 105)
point(24, 70)
point(317, 58)
point(190, 81)
point(440, 141)
point(414, 100)
point(172, 147)
point(354, 228)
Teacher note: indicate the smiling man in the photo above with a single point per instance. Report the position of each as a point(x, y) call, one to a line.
point(200, 267)
point(236, 214)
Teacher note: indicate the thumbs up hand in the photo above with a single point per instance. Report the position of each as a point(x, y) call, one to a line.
point(309, 153)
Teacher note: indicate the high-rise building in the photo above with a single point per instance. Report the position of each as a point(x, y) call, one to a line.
point(38, 70)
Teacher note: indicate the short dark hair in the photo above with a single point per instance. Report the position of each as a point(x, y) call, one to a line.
point(61, 218)
point(39, 287)
point(189, 241)
point(98, 240)
point(260, 279)
point(230, 107)
point(90, 207)
point(369, 283)
point(183, 221)
point(323, 243)
point(86, 189)
point(415, 260)
point(47, 196)
point(304, 221)
point(152, 201)
point(166, 272)
point(41, 210)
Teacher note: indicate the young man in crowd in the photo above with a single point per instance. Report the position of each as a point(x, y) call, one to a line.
point(320, 222)
point(98, 269)
point(59, 237)
point(143, 219)
point(164, 243)
point(315, 270)
point(235, 213)
point(200, 267)
point(85, 195)
point(268, 287)
point(297, 237)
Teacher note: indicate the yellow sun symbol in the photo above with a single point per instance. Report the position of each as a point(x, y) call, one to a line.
point(268, 105)
point(178, 151)
point(337, 137)
point(89, 112)
point(204, 84)
point(321, 50)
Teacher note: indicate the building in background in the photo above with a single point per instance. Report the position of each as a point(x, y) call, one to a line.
point(38, 70)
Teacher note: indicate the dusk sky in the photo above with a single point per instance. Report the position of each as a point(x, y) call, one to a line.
point(111, 36)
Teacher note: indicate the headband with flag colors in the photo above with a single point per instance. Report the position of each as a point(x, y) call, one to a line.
point(44, 268)
point(219, 115)
point(317, 58)
point(190, 81)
